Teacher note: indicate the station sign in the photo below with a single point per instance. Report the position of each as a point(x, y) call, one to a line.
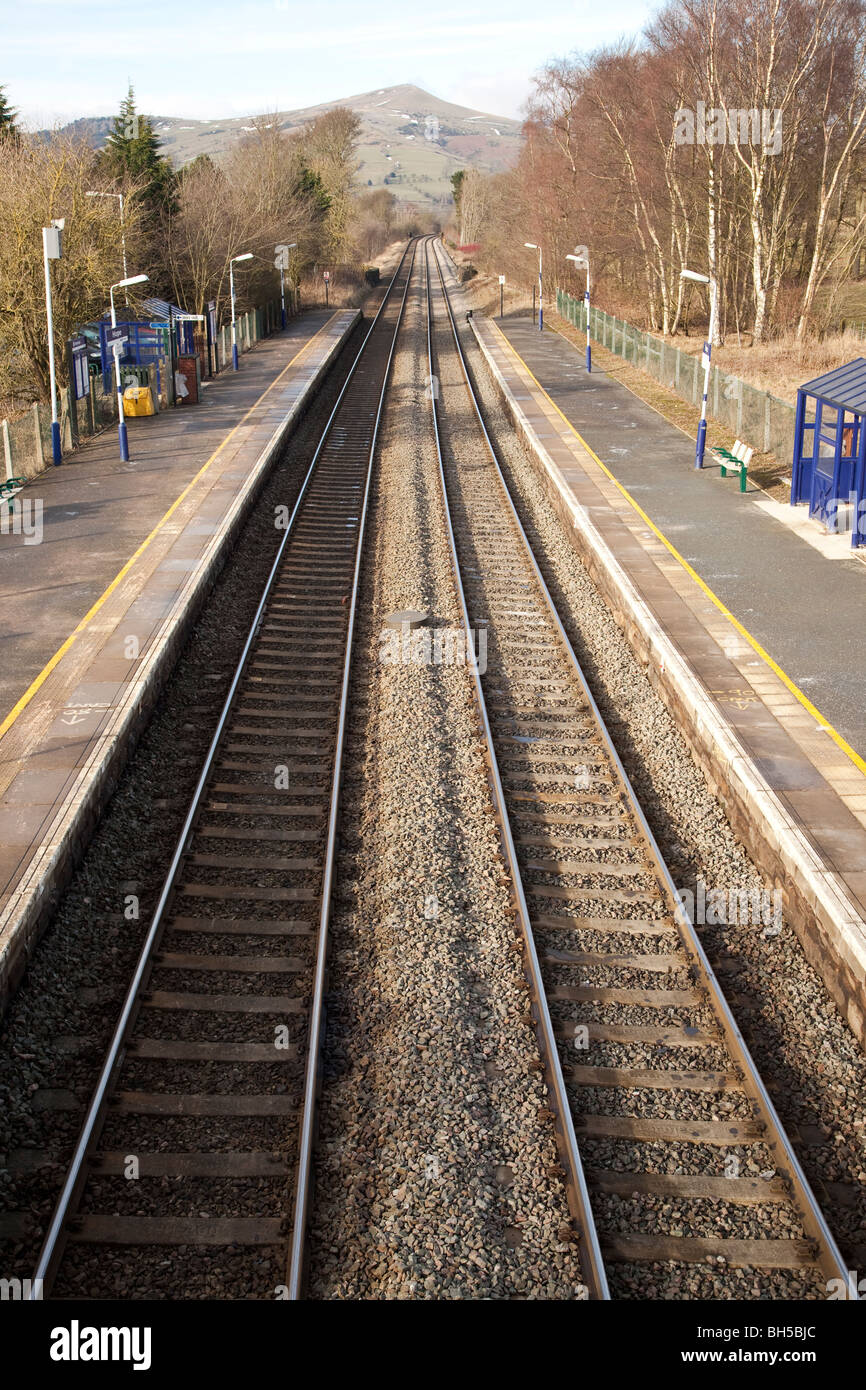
point(80, 374)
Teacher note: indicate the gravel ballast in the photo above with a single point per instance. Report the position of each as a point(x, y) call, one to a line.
point(436, 1177)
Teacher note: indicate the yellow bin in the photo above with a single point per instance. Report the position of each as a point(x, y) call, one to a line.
point(137, 400)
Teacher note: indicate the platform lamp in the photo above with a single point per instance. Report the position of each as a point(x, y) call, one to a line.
point(533, 246)
point(52, 250)
point(92, 193)
point(116, 347)
point(581, 260)
point(247, 256)
point(282, 264)
point(708, 347)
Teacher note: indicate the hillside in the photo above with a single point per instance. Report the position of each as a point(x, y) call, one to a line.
point(410, 140)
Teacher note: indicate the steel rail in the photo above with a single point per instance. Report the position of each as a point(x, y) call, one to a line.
point(304, 1178)
point(592, 1263)
point(830, 1260)
point(51, 1249)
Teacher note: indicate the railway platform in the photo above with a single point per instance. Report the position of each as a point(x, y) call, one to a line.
point(734, 617)
point(99, 586)
point(799, 593)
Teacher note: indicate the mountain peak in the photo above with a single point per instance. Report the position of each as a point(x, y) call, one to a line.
point(411, 141)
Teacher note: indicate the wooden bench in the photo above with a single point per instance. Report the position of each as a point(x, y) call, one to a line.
point(737, 460)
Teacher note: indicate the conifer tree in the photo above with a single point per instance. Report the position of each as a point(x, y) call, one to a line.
point(8, 121)
point(132, 151)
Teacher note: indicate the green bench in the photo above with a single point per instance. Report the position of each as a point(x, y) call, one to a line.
point(8, 489)
point(737, 460)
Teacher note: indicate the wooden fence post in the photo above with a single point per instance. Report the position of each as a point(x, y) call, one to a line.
point(73, 417)
point(37, 426)
point(7, 450)
point(65, 422)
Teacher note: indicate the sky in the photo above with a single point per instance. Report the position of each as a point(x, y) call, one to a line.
point(65, 58)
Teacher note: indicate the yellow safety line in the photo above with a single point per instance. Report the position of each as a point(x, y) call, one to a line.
point(753, 642)
point(49, 666)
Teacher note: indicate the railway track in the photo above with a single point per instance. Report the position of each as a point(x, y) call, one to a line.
point(207, 1094)
point(647, 1070)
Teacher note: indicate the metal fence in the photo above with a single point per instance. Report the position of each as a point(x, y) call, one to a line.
point(755, 416)
point(250, 328)
point(27, 439)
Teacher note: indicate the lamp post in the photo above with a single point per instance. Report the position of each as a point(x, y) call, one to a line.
point(116, 346)
point(708, 347)
point(533, 246)
point(91, 193)
point(282, 261)
point(247, 256)
point(581, 260)
point(52, 250)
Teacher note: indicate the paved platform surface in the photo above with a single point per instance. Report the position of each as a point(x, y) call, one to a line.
point(805, 607)
point(96, 510)
point(94, 616)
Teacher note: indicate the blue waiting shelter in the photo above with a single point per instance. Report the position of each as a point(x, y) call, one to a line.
point(829, 470)
point(179, 323)
point(167, 333)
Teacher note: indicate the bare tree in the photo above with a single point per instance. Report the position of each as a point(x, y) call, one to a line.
point(329, 149)
point(262, 195)
point(839, 224)
point(473, 206)
point(41, 180)
point(767, 188)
